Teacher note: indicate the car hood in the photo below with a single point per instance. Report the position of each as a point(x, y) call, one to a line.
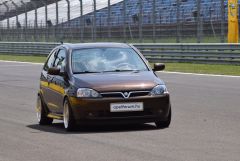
point(118, 81)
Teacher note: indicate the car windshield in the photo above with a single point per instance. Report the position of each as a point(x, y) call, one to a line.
point(97, 60)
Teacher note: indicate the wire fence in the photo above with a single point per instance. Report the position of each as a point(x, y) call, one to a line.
point(163, 21)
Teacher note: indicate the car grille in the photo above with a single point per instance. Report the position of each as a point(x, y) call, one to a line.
point(125, 94)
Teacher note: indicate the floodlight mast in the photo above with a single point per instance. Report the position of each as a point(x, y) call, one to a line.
point(16, 13)
point(68, 10)
point(109, 19)
point(81, 20)
point(46, 10)
point(94, 19)
point(56, 3)
point(7, 7)
point(25, 10)
point(36, 15)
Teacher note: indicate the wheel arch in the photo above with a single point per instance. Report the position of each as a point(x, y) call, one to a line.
point(43, 102)
point(65, 97)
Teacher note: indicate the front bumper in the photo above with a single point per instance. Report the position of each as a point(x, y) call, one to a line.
point(97, 111)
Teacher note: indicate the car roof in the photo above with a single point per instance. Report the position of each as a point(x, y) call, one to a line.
point(96, 45)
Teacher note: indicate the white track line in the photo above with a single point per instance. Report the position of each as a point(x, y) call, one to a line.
point(180, 73)
point(196, 74)
point(7, 61)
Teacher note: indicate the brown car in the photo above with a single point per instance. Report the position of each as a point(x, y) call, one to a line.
point(101, 83)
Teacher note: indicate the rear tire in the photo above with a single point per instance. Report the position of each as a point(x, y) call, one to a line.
point(68, 118)
point(164, 124)
point(42, 114)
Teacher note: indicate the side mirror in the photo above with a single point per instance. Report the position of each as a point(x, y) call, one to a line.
point(54, 71)
point(158, 67)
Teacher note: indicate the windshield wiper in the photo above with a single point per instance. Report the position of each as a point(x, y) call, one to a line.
point(108, 71)
point(120, 70)
point(85, 72)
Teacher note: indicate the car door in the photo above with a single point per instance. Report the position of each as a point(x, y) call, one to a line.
point(46, 79)
point(58, 83)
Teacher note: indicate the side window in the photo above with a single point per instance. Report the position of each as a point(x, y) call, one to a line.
point(50, 61)
point(60, 61)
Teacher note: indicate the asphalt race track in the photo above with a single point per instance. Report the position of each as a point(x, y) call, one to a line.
point(205, 125)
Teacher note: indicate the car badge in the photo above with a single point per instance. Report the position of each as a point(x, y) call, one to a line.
point(125, 94)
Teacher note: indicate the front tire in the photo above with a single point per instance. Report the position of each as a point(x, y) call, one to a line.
point(68, 119)
point(42, 114)
point(164, 124)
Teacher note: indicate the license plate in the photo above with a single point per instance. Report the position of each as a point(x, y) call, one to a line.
point(126, 107)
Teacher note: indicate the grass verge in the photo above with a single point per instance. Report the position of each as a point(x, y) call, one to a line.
point(173, 67)
point(204, 68)
point(23, 58)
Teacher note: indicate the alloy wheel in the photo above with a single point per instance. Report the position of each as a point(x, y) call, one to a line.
point(66, 115)
point(39, 109)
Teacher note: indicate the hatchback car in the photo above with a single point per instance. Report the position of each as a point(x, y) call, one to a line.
point(101, 83)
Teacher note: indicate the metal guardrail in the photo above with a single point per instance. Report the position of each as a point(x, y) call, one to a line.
point(164, 52)
point(31, 48)
point(216, 53)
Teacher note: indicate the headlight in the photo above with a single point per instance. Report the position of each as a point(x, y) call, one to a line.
point(87, 93)
point(159, 90)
